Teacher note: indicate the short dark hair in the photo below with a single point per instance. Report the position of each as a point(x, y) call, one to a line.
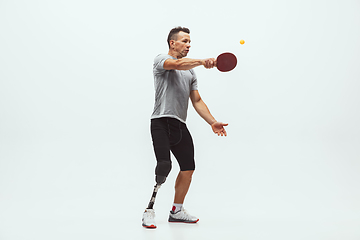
point(173, 33)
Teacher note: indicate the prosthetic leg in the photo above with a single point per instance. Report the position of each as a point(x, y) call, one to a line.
point(149, 214)
point(162, 170)
point(152, 200)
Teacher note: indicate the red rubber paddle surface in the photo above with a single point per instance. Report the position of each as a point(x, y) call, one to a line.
point(226, 62)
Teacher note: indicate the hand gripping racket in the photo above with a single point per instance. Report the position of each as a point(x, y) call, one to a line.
point(226, 62)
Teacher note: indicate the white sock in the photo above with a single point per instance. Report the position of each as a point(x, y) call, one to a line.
point(177, 207)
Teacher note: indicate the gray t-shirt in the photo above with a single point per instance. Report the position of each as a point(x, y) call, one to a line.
point(172, 90)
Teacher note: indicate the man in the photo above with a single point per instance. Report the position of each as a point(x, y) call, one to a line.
point(175, 82)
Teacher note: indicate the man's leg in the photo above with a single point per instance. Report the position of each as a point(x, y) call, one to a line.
point(162, 152)
point(184, 153)
point(182, 185)
point(161, 144)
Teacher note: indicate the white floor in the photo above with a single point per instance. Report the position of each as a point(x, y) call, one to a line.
point(54, 221)
point(47, 194)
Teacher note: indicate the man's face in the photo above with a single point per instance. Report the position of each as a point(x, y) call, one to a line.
point(182, 44)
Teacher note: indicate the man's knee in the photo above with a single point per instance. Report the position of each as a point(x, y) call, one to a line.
point(187, 174)
point(162, 170)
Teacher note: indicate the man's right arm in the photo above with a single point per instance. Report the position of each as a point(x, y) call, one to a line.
point(188, 63)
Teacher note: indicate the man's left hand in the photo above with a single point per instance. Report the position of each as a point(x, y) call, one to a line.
point(218, 128)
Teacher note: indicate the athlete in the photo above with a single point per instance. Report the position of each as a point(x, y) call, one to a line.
point(175, 82)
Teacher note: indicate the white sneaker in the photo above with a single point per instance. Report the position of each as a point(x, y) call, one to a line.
point(148, 220)
point(182, 216)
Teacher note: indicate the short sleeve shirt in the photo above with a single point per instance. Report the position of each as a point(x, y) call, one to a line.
point(172, 90)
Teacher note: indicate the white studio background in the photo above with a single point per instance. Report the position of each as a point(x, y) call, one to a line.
point(76, 94)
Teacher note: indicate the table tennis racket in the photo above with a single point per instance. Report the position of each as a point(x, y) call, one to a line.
point(226, 62)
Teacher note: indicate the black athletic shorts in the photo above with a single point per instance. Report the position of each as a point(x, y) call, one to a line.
point(170, 134)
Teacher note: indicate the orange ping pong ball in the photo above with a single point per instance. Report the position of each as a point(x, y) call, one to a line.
point(242, 41)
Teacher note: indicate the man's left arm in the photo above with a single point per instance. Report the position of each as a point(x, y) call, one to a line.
point(204, 112)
